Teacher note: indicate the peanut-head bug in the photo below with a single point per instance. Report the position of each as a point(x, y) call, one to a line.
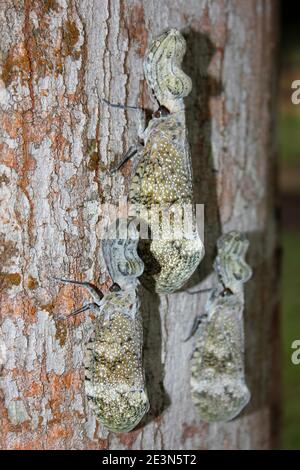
point(219, 390)
point(114, 375)
point(162, 174)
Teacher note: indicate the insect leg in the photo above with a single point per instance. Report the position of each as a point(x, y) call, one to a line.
point(121, 106)
point(89, 306)
point(84, 308)
point(129, 154)
point(197, 321)
point(96, 293)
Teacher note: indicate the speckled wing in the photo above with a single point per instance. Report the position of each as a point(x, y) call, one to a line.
point(114, 381)
point(162, 182)
point(161, 177)
point(218, 387)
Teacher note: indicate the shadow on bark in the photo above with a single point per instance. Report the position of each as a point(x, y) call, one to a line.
point(200, 51)
point(153, 366)
point(262, 350)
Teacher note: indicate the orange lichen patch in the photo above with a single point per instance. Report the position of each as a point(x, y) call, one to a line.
point(32, 283)
point(70, 37)
point(8, 156)
point(189, 431)
point(16, 63)
point(29, 444)
point(48, 307)
point(30, 163)
point(38, 133)
point(72, 379)
point(19, 428)
point(31, 311)
point(73, 97)
point(61, 332)
point(59, 384)
point(8, 280)
point(56, 387)
point(7, 250)
point(100, 444)
point(17, 305)
point(143, 93)
point(34, 390)
point(76, 221)
point(67, 378)
point(49, 5)
point(37, 57)
point(65, 301)
point(93, 162)
point(56, 432)
point(27, 163)
point(136, 26)
point(71, 182)
point(59, 144)
point(128, 439)
point(7, 427)
point(11, 123)
point(57, 416)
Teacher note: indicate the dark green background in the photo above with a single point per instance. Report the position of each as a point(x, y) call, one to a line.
point(289, 176)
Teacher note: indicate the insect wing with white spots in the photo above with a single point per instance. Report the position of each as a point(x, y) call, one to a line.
point(218, 386)
point(114, 381)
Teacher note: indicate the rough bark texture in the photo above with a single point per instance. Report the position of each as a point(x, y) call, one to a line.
point(58, 57)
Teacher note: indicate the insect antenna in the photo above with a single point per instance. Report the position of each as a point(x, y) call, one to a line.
point(122, 106)
point(84, 308)
point(197, 321)
point(129, 154)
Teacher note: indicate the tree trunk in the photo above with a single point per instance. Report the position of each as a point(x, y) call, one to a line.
point(58, 59)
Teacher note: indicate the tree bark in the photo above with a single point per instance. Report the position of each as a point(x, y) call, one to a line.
point(58, 59)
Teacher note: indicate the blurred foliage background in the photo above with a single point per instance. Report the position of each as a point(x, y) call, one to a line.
point(289, 182)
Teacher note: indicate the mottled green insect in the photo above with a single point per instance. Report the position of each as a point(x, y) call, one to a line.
point(219, 390)
point(114, 375)
point(162, 178)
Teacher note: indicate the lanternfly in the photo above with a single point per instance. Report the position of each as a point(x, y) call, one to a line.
point(114, 375)
point(219, 391)
point(162, 177)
